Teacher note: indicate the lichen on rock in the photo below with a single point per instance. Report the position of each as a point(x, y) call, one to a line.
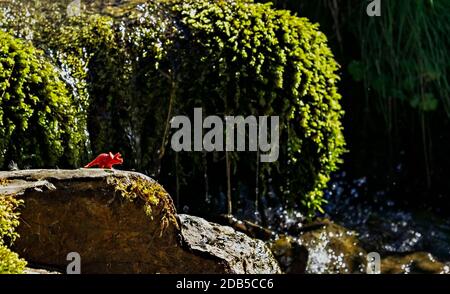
point(153, 195)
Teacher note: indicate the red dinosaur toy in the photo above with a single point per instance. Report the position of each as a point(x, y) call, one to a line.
point(106, 160)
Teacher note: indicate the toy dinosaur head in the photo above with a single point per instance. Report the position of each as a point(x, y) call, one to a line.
point(117, 159)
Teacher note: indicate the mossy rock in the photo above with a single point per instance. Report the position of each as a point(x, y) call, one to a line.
point(333, 249)
point(135, 71)
point(121, 222)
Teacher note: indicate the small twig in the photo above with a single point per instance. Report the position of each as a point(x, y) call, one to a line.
point(162, 149)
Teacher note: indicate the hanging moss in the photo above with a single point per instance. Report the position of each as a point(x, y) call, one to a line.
point(249, 60)
point(90, 48)
point(137, 70)
point(253, 59)
point(39, 122)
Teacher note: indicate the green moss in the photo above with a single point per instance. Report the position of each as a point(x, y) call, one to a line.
point(261, 61)
point(253, 59)
point(10, 263)
point(135, 71)
point(152, 194)
point(39, 122)
point(9, 219)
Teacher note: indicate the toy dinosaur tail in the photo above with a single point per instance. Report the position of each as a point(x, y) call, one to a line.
point(91, 164)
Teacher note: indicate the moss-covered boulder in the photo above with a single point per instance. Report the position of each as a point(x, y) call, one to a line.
point(40, 123)
point(121, 222)
point(137, 70)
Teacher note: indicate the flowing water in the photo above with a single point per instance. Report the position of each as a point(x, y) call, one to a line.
point(408, 240)
point(383, 225)
point(358, 221)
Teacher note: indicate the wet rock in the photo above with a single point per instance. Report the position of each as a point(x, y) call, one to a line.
point(121, 222)
point(291, 256)
point(413, 263)
point(249, 228)
point(239, 252)
point(333, 249)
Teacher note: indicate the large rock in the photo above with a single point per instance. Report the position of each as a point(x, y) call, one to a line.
point(290, 254)
point(241, 253)
point(122, 222)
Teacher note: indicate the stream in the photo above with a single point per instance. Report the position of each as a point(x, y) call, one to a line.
point(356, 221)
point(408, 240)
